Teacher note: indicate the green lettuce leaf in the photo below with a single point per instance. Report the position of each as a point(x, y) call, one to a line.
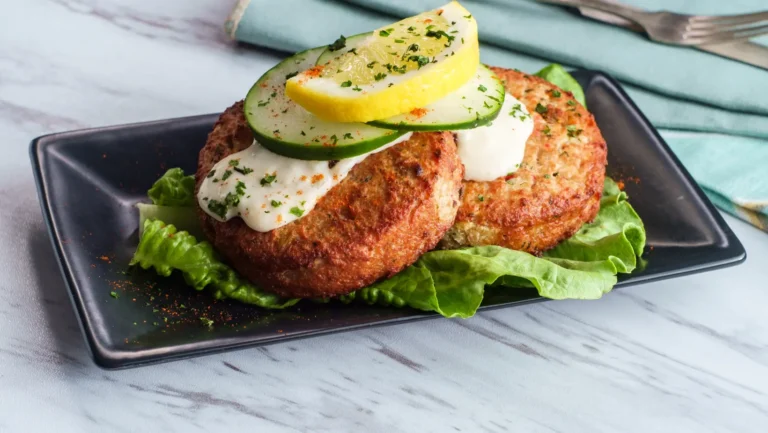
point(451, 283)
point(558, 76)
point(165, 249)
point(173, 189)
point(183, 218)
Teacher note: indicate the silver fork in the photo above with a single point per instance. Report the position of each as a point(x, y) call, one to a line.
point(681, 29)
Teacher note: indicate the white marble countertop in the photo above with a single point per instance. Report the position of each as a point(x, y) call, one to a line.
point(684, 355)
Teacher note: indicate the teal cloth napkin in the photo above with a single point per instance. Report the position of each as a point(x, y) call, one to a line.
point(713, 112)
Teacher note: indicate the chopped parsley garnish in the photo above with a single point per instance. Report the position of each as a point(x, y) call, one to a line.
point(226, 175)
point(517, 109)
point(296, 211)
point(573, 131)
point(413, 47)
point(572, 103)
point(243, 170)
point(268, 179)
point(357, 89)
point(347, 83)
point(411, 28)
point(480, 198)
point(114, 295)
point(263, 103)
point(486, 104)
point(273, 94)
point(338, 44)
point(212, 173)
point(421, 60)
point(232, 199)
point(439, 34)
point(399, 41)
point(482, 88)
point(380, 76)
point(234, 162)
point(541, 109)
point(291, 75)
point(546, 176)
point(383, 33)
point(348, 136)
point(555, 173)
point(276, 203)
point(556, 93)
point(353, 51)
point(207, 322)
point(240, 188)
point(276, 132)
point(546, 131)
point(469, 17)
point(217, 207)
point(334, 139)
point(391, 84)
point(370, 65)
point(303, 133)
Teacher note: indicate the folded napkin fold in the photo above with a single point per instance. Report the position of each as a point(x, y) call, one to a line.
point(713, 112)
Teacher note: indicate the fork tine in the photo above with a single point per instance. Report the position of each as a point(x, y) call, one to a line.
point(704, 20)
point(701, 38)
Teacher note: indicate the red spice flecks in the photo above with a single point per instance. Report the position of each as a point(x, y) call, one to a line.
point(620, 184)
point(418, 113)
point(427, 21)
point(105, 259)
point(314, 71)
point(317, 178)
point(303, 178)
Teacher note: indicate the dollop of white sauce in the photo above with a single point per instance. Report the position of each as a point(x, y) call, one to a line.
point(497, 149)
point(268, 190)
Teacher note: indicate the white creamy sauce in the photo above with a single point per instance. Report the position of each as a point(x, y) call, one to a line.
point(495, 150)
point(268, 190)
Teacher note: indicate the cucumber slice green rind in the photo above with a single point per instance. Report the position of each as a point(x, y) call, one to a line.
point(350, 43)
point(466, 108)
point(286, 128)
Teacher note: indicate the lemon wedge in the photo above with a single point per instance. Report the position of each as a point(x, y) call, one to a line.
point(398, 68)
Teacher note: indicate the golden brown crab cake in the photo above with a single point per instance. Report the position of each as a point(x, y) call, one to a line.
point(557, 187)
point(392, 207)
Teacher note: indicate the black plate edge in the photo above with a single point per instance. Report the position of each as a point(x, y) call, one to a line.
point(734, 244)
point(102, 358)
point(58, 249)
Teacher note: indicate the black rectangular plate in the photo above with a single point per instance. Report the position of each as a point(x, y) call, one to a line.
point(89, 181)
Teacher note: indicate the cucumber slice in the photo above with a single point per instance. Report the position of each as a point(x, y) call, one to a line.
point(341, 46)
point(474, 104)
point(285, 128)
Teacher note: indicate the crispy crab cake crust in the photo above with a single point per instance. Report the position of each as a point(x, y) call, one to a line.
point(557, 187)
point(392, 207)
